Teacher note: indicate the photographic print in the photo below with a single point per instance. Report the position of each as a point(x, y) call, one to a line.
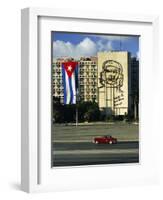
point(95, 99)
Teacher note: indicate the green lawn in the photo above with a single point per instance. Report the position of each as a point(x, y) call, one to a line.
point(85, 132)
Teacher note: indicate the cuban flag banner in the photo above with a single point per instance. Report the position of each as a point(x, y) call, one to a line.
point(70, 81)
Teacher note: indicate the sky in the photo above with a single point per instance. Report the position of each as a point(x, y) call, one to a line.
point(78, 45)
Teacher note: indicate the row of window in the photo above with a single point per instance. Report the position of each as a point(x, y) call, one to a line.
point(87, 73)
point(59, 74)
point(88, 63)
point(87, 70)
point(82, 83)
point(58, 92)
point(80, 64)
point(56, 71)
point(58, 86)
point(58, 77)
point(81, 70)
point(57, 81)
point(90, 77)
point(88, 92)
point(87, 82)
point(90, 96)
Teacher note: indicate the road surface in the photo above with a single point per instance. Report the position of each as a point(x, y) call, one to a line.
point(88, 153)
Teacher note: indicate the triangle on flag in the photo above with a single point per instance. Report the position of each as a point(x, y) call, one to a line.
point(69, 67)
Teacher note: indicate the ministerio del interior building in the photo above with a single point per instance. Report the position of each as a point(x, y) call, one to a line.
point(111, 79)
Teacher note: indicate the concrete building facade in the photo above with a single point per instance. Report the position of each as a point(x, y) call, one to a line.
point(88, 79)
point(135, 88)
point(114, 84)
point(57, 82)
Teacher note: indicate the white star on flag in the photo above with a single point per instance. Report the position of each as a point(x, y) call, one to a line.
point(69, 68)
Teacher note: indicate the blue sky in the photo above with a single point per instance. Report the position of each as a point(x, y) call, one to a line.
point(77, 45)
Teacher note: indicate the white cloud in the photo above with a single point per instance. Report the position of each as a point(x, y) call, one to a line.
point(138, 55)
point(86, 47)
point(61, 48)
point(104, 45)
point(109, 46)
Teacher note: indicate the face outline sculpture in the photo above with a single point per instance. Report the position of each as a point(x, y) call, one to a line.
point(112, 74)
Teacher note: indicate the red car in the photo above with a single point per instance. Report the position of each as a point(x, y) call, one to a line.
point(105, 140)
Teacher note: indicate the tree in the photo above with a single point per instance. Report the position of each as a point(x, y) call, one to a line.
point(58, 115)
point(87, 111)
point(92, 113)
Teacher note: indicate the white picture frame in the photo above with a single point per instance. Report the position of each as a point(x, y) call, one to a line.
point(36, 171)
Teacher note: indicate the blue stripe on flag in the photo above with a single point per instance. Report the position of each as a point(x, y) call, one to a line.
point(71, 91)
point(76, 76)
point(64, 84)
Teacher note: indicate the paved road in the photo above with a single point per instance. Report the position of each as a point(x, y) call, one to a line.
point(87, 153)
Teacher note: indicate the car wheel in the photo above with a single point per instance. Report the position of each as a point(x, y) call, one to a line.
point(110, 142)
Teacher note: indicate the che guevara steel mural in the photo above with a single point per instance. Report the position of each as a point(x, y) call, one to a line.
point(112, 77)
